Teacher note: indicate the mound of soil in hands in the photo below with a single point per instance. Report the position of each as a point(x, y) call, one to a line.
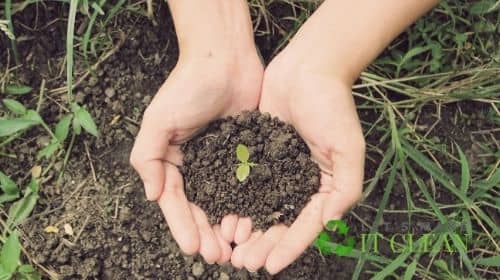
point(279, 185)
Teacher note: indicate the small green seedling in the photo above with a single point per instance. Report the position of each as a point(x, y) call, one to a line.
point(10, 260)
point(244, 166)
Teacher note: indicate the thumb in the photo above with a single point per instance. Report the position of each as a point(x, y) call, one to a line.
point(344, 185)
point(147, 158)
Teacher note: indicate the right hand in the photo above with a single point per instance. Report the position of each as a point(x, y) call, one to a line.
point(197, 91)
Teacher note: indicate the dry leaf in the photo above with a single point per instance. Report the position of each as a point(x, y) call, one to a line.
point(276, 215)
point(36, 171)
point(51, 229)
point(68, 229)
point(115, 120)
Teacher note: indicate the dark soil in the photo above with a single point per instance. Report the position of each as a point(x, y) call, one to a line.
point(279, 185)
point(117, 234)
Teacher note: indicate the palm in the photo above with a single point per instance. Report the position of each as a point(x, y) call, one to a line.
point(323, 112)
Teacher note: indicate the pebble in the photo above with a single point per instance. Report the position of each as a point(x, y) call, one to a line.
point(43, 140)
point(79, 97)
point(93, 81)
point(110, 92)
point(198, 269)
point(223, 276)
point(146, 99)
point(133, 129)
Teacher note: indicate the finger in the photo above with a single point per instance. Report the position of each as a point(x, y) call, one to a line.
point(344, 185)
point(209, 245)
point(174, 155)
point(175, 208)
point(238, 256)
point(256, 256)
point(243, 230)
point(298, 237)
point(226, 250)
point(147, 158)
point(228, 227)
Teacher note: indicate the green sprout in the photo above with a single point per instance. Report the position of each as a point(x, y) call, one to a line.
point(244, 166)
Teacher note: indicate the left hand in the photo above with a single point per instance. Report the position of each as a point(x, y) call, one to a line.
point(322, 109)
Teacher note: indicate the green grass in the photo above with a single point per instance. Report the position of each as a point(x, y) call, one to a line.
point(448, 59)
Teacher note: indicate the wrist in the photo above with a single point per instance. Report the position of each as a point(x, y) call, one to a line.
point(321, 63)
point(292, 66)
point(217, 29)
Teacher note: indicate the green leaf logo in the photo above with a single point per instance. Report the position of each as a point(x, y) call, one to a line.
point(325, 245)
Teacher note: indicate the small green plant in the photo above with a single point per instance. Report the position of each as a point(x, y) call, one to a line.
point(20, 208)
point(10, 261)
point(244, 166)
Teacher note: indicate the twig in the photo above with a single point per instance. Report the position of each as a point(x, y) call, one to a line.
point(90, 162)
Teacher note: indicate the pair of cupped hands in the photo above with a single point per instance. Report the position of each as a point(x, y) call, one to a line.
point(205, 87)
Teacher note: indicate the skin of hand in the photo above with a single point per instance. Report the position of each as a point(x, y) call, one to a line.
point(312, 91)
point(213, 78)
point(322, 110)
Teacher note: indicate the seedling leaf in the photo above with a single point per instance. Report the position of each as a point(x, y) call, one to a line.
point(8, 198)
point(4, 275)
point(11, 253)
point(33, 115)
point(22, 208)
point(28, 272)
point(85, 120)
point(77, 127)
point(11, 126)
point(242, 172)
point(17, 89)
point(7, 185)
point(9, 188)
point(48, 150)
point(242, 153)
point(62, 128)
point(14, 106)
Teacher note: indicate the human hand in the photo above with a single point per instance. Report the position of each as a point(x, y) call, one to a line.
point(218, 73)
point(322, 109)
point(196, 92)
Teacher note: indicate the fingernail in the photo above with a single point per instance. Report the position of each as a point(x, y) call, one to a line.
point(147, 189)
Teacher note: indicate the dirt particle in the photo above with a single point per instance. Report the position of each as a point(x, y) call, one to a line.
point(110, 92)
point(93, 81)
point(198, 269)
point(223, 276)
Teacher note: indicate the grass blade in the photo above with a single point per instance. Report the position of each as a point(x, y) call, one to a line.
point(70, 34)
